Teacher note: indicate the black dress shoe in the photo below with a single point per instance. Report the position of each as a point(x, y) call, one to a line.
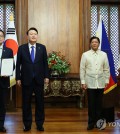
point(40, 128)
point(2, 129)
point(26, 129)
point(90, 127)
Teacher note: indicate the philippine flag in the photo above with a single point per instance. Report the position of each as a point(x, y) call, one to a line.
point(105, 46)
point(11, 42)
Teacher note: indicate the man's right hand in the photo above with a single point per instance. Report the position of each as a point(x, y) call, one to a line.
point(84, 86)
point(19, 83)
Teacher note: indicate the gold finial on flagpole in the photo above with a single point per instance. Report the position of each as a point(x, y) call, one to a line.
point(11, 15)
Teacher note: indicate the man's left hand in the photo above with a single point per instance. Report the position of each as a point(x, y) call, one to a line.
point(46, 80)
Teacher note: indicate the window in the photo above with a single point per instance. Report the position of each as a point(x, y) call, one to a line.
point(110, 17)
point(5, 10)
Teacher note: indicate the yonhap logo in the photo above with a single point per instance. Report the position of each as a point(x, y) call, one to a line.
point(101, 124)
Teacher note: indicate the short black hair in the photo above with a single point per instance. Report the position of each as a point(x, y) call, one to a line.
point(2, 32)
point(32, 28)
point(94, 37)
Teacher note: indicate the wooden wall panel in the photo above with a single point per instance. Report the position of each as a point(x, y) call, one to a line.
point(86, 24)
point(21, 10)
point(63, 25)
point(58, 24)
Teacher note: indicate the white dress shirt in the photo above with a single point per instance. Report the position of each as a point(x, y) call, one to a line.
point(94, 69)
point(1, 49)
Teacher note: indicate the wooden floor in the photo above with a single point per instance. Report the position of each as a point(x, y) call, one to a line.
point(58, 121)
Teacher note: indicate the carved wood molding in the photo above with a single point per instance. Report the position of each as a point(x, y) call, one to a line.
point(21, 13)
point(85, 25)
point(21, 10)
point(64, 88)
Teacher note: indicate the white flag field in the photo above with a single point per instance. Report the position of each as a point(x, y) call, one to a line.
point(12, 43)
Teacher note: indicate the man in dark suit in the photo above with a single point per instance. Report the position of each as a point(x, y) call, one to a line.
point(4, 80)
point(32, 72)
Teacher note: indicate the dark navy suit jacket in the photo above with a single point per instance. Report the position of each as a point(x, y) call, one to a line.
point(25, 68)
point(6, 53)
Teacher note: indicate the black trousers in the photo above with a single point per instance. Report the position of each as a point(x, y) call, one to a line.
point(95, 98)
point(3, 94)
point(27, 92)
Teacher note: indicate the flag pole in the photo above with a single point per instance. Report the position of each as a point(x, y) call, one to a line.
point(99, 14)
point(11, 19)
point(11, 105)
